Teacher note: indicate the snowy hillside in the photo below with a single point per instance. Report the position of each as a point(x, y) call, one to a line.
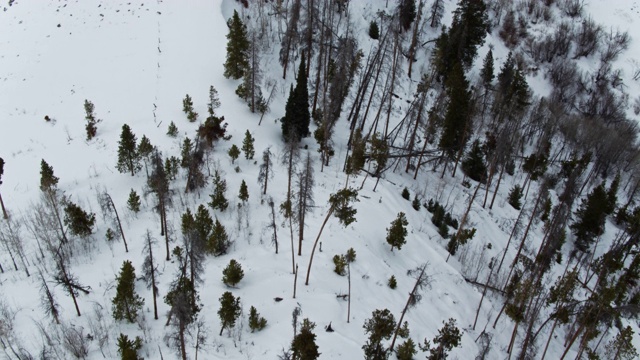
point(136, 60)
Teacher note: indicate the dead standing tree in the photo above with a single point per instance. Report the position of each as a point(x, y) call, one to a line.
point(340, 206)
point(422, 281)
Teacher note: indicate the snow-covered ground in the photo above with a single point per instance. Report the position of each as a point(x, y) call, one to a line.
point(136, 60)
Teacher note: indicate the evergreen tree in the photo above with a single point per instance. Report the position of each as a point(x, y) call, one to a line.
point(213, 130)
point(486, 73)
point(296, 118)
point(407, 10)
point(48, 181)
point(128, 158)
point(406, 350)
point(266, 170)
point(172, 130)
point(514, 197)
point(621, 347)
point(244, 192)
point(379, 327)
point(229, 310)
point(473, 165)
point(393, 283)
point(79, 222)
point(145, 149)
point(128, 349)
point(232, 274)
point(590, 218)
point(92, 123)
point(126, 303)
point(186, 152)
point(379, 153)
point(187, 107)
point(203, 223)
point(456, 121)
point(374, 31)
point(218, 200)
point(247, 145)
point(234, 153)
point(397, 233)
point(134, 201)
point(448, 337)
point(237, 60)
point(256, 322)
point(218, 243)
point(356, 160)
point(214, 101)
point(304, 345)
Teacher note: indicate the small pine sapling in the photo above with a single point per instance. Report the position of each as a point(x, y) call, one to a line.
point(133, 203)
point(350, 256)
point(393, 283)
point(218, 243)
point(397, 233)
point(218, 199)
point(110, 235)
point(514, 197)
point(92, 123)
point(448, 337)
point(406, 350)
point(80, 222)
point(229, 310)
point(172, 130)
point(244, 192)
point(374, 31)
point(416, 203)
point(234, 153)
point(340, 263)
point(232, 274)
point(405, 194)
point(256, 322)
point(128, 349)
point(247, 146)
point(187, 107)
point(304, 345)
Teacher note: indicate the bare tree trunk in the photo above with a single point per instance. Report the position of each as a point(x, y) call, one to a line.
point(273, 224)
point(553, 328)
point(484, 292)
point(163, 219)
point(313, 250)
point(4, 210)
point(295, 282)
point(349, 296)
point(183, 347)
point(495, 192)
point(126, 248)
point(406, 306)
point(463, 221)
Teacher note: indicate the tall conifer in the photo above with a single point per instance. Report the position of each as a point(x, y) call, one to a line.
point(237, 48)
point(297, 117)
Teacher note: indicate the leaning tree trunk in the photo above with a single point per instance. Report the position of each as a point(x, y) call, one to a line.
point(313, 250)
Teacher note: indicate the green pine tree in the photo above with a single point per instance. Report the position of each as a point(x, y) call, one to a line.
point(514, 197)
point(247, 146)
point(234, 153)
point(134, 201)
point(232, 274)
point(218, 199)
point(229, 310)
point(397, 233)
point(244, 192)
point(237, 60)
point(379, 327)
point(297, 118)
point(128, 349)
point(304, 345)
point(48, 181)
point(487, 72)
point(473, 165)
point(79, 222)
point(92, 123)
point(456, 121)
point(126, 303)
point(256, 322)
point(590, 218)
point(374, 31)
point(172, 130)
point(214, 101)
point(406, 350)
point(128, 157)
point(218, 242)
